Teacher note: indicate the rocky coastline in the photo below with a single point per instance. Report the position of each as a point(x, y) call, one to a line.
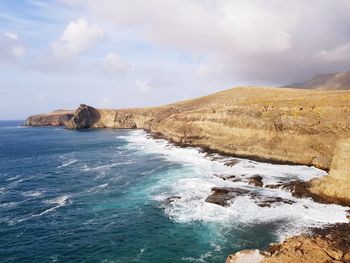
point(276, 125)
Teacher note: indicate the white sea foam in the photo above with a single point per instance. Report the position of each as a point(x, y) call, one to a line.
point(32, 193)
point(2, 190)
point(13, 178)
point(67, 163)
point(98, 188)
point(59, 202)
point(9, 204)
point(193, 183)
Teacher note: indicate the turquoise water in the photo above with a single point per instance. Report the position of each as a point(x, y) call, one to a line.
point(101, 196)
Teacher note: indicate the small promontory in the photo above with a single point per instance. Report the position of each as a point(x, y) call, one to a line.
point(55, 118)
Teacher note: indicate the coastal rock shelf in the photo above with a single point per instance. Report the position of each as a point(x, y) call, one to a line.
point(330, 244)
point(276, 125)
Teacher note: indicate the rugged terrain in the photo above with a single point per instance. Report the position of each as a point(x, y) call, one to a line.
point(331, 81)
point(277, 125)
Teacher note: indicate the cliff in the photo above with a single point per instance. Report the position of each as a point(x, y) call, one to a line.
point(331, 81)
point(55, 118)
point(278, 125)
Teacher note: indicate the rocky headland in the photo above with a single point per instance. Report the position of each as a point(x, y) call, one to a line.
point(55, 118)
point(309, 127)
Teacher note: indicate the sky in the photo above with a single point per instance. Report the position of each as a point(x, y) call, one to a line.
point(56, 54)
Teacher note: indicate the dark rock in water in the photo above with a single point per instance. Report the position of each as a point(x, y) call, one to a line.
point(222, 195)
point(172, 199)
point(227, 177)
point(299, 189)
point(84, 117)
point(232, 162)
point(256, 180)
point(268, 201)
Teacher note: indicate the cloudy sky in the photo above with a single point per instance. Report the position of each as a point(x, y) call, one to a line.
point(116, 53)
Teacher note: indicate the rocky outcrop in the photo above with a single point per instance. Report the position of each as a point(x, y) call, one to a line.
point(84, 117)
point(331, 81)
point(331, 244)
point(56, 118)
point(270, 124)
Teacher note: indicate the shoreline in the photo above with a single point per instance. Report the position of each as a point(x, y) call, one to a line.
point(268, 125)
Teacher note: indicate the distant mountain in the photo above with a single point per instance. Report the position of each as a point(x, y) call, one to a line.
point(332, 81)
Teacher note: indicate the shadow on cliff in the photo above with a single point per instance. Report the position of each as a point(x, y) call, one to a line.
point(84, 117)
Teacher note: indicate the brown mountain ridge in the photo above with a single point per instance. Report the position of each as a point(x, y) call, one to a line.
point(330, 81)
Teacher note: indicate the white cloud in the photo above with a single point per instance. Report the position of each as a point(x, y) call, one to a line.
point(337, 54)
point(113, 64)
point(78, 37)
point(18, 51)
point(11, 48)
point(143, 86)
point(11, 35)
point(251, 40)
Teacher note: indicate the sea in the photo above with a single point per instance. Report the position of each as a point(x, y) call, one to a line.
point(122, 196)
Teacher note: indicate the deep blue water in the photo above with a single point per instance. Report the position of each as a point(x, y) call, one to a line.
point(100, 196)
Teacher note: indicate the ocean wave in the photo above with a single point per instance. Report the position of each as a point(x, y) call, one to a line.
point(13, 178)
point(59, 201)
point(67, 163)
point(32, 193)
point(200, 172)
point(2, 190)
point(9, 204)
point(87, 168)
point(98, 188)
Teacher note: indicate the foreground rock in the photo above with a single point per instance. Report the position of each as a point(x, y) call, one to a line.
point(223, 195)
point(55, 118)
point(331, 244)
point(271, 124)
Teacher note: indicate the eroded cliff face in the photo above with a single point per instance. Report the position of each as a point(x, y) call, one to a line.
point(283, 125)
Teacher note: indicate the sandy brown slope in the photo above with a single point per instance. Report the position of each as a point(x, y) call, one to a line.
point(332, 81)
